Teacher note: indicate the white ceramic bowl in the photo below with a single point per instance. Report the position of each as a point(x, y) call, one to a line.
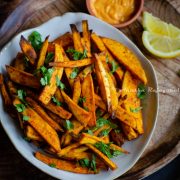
point(54, 28)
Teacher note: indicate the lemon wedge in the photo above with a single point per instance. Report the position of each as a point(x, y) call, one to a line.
point(160, 38)
point(161, 46)
point(155, 25)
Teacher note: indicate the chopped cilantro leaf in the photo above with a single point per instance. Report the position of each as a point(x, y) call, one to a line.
point(25, 118)
point(68, 125)
point(82, 99)
point(76, 54)
point(135, 110)
point(35, 40)
point(105, 132)
point(141, 91)
point(101, 122)
point(114, 66)
point(58, 103)
point(47, 73)
point(74, 73)
point(49, 58)
point(60, 84)
point(20, 107)
point(52, 165)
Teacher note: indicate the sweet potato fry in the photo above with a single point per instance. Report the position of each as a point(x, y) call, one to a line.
point(106, 160)
point(114, 96)
point(43, 114)
point(80, 114)
point(103, 81)
point(88, 94)
point(99, 102)
point(12, 88)
point(76, 90)
point(58, 95)
point(22, 77)
point(77, 127)
point(131, 102)
point(58, 110)
point(28, 50)
point(86, 37)
point(117, 137)
point(85, 72)
point(125, 117)
point(49, 90)
point(101, 47)
point(63, 164)
point(126, 57)
point(42, 54)
point(129, 132)
point(41, 126)
point(32, 134)
point(66, 139)
point(19, 62)
point(5, 95)
point(64, 40)
point(72, 64)
point(76, 38)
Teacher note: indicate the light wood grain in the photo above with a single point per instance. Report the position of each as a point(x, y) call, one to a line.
point(164, 145)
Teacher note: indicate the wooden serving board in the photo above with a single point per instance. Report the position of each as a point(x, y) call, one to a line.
point(164, 145)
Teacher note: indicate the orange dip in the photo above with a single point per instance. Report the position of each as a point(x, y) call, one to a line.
point(113, 11)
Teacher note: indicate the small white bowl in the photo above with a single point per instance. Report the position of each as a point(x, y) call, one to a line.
point(55, 27)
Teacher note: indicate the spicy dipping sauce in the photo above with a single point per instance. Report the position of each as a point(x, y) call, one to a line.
point(113, 11)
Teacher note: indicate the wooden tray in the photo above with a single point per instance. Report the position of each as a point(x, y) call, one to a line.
point(164, 145)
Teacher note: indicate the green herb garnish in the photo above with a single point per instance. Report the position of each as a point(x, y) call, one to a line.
point(135, 110)
point(68, 125)
point(58, 103)
point(74, 73)
point(52, 165)
point(35, 40)
point(86, 108)
point(91, 164)
point(60, 84)
point(105, 132)
point(21, 95)
point(25, 118)
point(98, 113)
point(107, 59)
point(76, 54)
point(88, 131)
point(47, 73)
point(20, 107)
point(114, 67)
point(141, 91)
point(101, 122)
point(105, 149)
point(82, 99)
point(49, 58)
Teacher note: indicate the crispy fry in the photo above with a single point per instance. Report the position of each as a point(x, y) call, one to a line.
point(32, 134)
point(129, 90)
point(76, 90)
point(28, 50)
point(100, 45)
point(72, 64)
point(126, 117)
point(63, 164)
point(106, 160)
point(98, 131)
point(19, 62)
point(64, 40)
point(22, 77)
point(126, 57)
point(66, 139)
point(114, 97)
point(58, 110)
point(58, 95)
point(103, 81)
point(85, 72)
point(129, 132)
point(76, 38)
point(99, 102)
point(117, 137)
point(43, 114)
point(88, 94)
point(41, 126)
point(5, 94)
point(12, 89)
point(77, 127)
point(86, 37)
point(49, 90)
point(80, 114)
point(42, 55)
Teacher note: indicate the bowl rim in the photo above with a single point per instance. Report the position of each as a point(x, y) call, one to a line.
point(124, 24)
point(41, 168)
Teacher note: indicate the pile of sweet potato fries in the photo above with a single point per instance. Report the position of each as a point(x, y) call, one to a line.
point(77, 97)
